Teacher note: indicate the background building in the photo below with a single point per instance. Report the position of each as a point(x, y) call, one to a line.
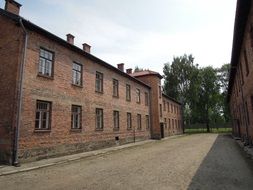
point(240, 92)
point(59, 99)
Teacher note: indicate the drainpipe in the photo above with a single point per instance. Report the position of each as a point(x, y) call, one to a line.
point(20, 96)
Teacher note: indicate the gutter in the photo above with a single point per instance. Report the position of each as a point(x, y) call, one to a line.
point(20, 96)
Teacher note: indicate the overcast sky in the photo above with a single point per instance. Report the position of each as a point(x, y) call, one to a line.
point(147, 33)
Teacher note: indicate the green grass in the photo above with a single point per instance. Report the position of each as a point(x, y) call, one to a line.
point(212, 130)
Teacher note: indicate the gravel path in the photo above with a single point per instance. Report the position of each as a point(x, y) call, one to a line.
point(194, 162)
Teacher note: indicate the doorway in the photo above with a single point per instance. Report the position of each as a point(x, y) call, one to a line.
point(162, 130)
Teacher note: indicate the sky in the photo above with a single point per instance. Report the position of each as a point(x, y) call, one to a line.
point(143, 33)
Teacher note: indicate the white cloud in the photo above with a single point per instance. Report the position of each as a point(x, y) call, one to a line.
point(144, 33)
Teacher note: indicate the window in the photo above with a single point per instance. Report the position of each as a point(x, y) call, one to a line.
point(160, 92)
point(147, 122)
point(99, 119)
point(76, 117)
point(165, 123)
point(46, 63)
point(168, 107)
point(43, 115)
point(146, 99)
point(246, 61)
point(129, 121)
point(115, 88)
point(138, 95)
point(99, 82)
point(164, 105)
point(171, 108)
point(77, 74)
point(139, 121)
point(169, 122)
point(128, 92)
point(161, 114)
point(116, 120)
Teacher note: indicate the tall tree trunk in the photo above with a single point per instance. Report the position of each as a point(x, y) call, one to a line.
point(207, 122)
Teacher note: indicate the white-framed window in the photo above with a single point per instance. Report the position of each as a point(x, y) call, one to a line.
point(129, 120)
point(99, 82)
point(99, 119)
point(43, 115)
point(46, 62)
point(76, 115)
point(128, 92)
point(115, 89)
point(139, 121)
point(147, 122)
point(146, 99)
point(138, 95)
point(116, 120)
point(77, 74)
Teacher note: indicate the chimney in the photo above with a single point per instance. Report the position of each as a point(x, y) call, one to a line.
point(121, 67)
point(86, 47)
point(129, 71)
point(12, 6)
point(70, 38)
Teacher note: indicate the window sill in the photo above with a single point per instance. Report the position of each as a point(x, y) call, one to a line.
point(115, 96)
point(76, 130)
point(128, 100)
point(99, 130)
point(129, 129)
point(76, 85)
point(115, 129)
point(99, 92)
point(42, 131)
point(45, 76)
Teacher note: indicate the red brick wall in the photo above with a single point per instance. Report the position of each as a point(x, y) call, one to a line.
point(63, 94)
point(154, 82)
point(173, 117)
point(10, 43)
point(243, 88)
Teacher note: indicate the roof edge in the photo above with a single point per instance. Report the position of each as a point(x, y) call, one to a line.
point(59, 40)
point(170, 98)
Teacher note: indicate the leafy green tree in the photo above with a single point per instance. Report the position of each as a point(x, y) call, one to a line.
point(209, 95)
point(223, 74)
point(180, 81)
point(202, 91)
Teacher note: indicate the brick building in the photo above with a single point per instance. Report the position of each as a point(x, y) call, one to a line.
point(57, 99)
point(240, 92)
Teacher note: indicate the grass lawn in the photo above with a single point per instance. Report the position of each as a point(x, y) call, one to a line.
point(212, 130)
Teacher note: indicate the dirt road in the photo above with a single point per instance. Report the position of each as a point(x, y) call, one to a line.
point(194, 162)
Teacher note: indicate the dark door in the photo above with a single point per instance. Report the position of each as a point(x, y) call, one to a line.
point(162, 130)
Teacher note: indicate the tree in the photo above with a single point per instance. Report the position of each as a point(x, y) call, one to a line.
point(137, 69)
point(202, 91)
point(180, 80)
point(209, 95)
point(223, 74)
